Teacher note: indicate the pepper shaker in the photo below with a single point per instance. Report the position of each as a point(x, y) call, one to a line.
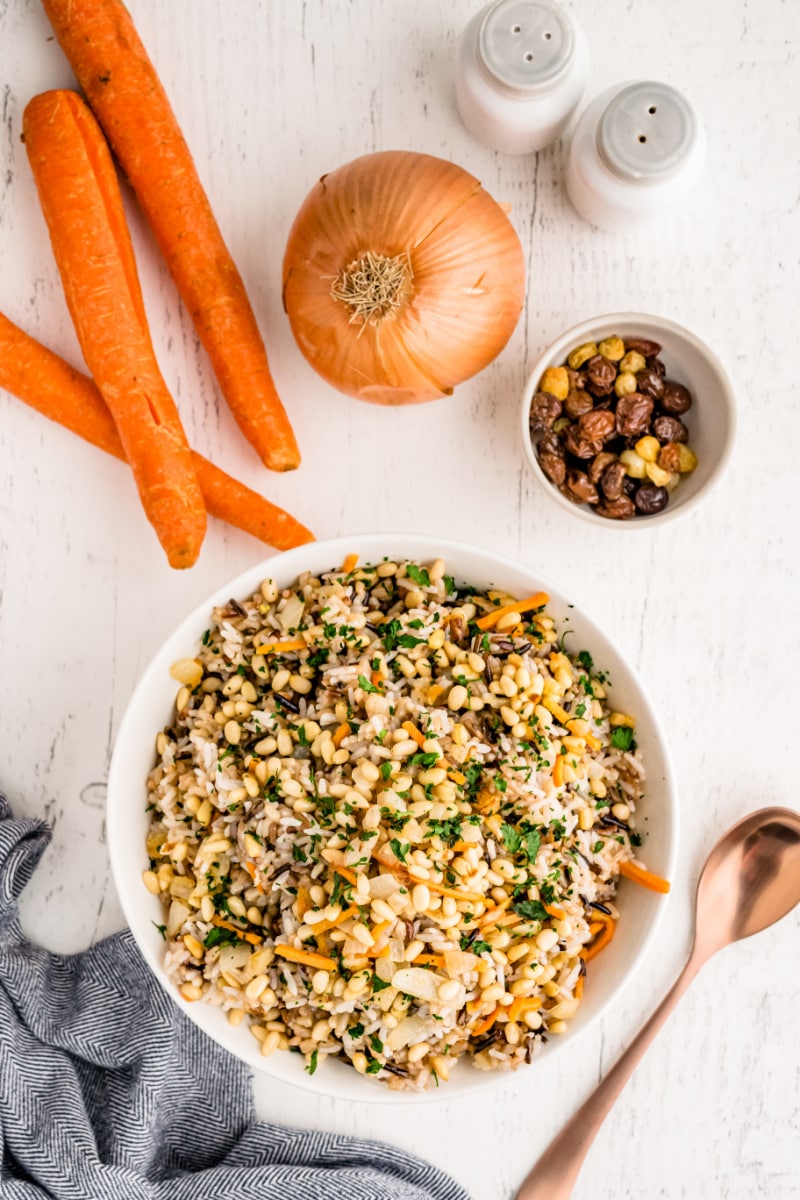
point(521, 70)
point(637, 151)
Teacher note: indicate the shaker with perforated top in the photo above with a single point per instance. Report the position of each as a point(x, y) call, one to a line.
point(521, 70)
point(637, 151)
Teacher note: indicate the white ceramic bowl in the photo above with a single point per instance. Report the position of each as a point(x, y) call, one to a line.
point(152, 707)
point(711, 419)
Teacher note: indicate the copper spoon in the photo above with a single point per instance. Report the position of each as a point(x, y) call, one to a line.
point(750, 880)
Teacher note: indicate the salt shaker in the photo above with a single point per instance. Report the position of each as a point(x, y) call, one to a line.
point(637, 151)
point(521, 70)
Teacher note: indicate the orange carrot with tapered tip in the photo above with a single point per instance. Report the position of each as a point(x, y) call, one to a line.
point(50, 385)
point(121, 84)
point(82, 205)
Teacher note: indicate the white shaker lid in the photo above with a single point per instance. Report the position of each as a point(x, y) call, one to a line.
point(647, 133)
point(525, 45)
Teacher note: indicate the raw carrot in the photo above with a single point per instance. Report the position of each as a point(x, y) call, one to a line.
point(429, 960)
point(345, 915)
point(46, 382)
point(341, 734)
point(287, 647)
point(487, 1023)
point(490, 619)
point(414, 733)
point(349, 564)
point(646, 878)
point(121, 84)
point(609, 928)
point(82, 205)
point(253, 938)
point(306, 957)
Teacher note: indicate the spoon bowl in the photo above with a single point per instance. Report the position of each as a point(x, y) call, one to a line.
point(750, 880)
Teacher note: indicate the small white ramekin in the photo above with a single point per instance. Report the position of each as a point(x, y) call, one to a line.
point(711, 419)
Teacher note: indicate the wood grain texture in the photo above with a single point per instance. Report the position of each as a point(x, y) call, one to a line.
point(272, 93)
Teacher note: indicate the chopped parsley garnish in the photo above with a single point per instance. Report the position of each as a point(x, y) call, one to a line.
point(533, 841)
point(399, 849)
point(418, 574)
point(586, 661)
point(298, 854)
point(311, 1065)
point(162, 929)
point(365, 684)
point(597, 847)
point(390, 631)
point(379, 984)
point(373, 1066)
point(408, 641)
point(449, 585)
point(318, 658)
point(476, 947)
point(531, 910)
point(376, 1043)
point(424, 760)
point(221, 937)
point(449, 831)
point(386, 770)
point(622, 738)
point(356, 1031)
point(511, 839)
point(580, 709)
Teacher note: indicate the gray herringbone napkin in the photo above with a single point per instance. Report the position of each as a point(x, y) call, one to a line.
point(108, 1091)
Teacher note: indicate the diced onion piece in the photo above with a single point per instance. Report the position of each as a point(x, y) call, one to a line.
point(410, 1031)
point(418, 982)
point(385, 969)
point(233, 958)
point(458, 961)
point(178, 912)
point(291, 614)
point(382, 886)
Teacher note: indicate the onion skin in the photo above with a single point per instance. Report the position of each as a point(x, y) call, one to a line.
point(467, 277)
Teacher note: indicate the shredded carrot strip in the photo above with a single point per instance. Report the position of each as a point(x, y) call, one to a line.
point(554, 911)
point(492, 915)
point(646, 878)
point(287, 647)
point(341, 734)
point(538, 600)
point(384, 953)
point(592, 742)
point(523, 1004)
point(306, 957)
point(508, 920)
point(413, 732)
point(459, 846)
point(456, 777)
point(470, 897)
point(558, 771)
point(560, 714)
point(345, 915)
point(349, 564)
point(434, 692)
point(609, 928)
point(376, 679)
point(347, 874)
point(431, 960)
point(303, 901)
point(486, 1024)
point(253, 938)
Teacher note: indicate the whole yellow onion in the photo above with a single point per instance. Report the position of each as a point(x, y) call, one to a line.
point(402, 277)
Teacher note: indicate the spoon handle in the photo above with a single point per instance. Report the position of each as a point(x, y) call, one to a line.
point(554, 1175)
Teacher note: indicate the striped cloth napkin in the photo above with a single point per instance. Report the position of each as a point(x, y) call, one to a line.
point(108, 1091)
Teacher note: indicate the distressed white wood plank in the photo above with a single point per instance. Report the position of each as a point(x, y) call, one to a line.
point(271, 94)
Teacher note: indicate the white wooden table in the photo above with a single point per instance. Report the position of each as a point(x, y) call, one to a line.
point(271, 94)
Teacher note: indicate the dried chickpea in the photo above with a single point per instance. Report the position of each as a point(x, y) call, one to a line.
point(648, 448)
point(581, 355)
point(612, 348)
point(633, 361)
point(634, 464)
point(555, 380)
point(625, 384)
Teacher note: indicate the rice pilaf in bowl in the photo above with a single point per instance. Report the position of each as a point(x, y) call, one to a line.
point(388, 820)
